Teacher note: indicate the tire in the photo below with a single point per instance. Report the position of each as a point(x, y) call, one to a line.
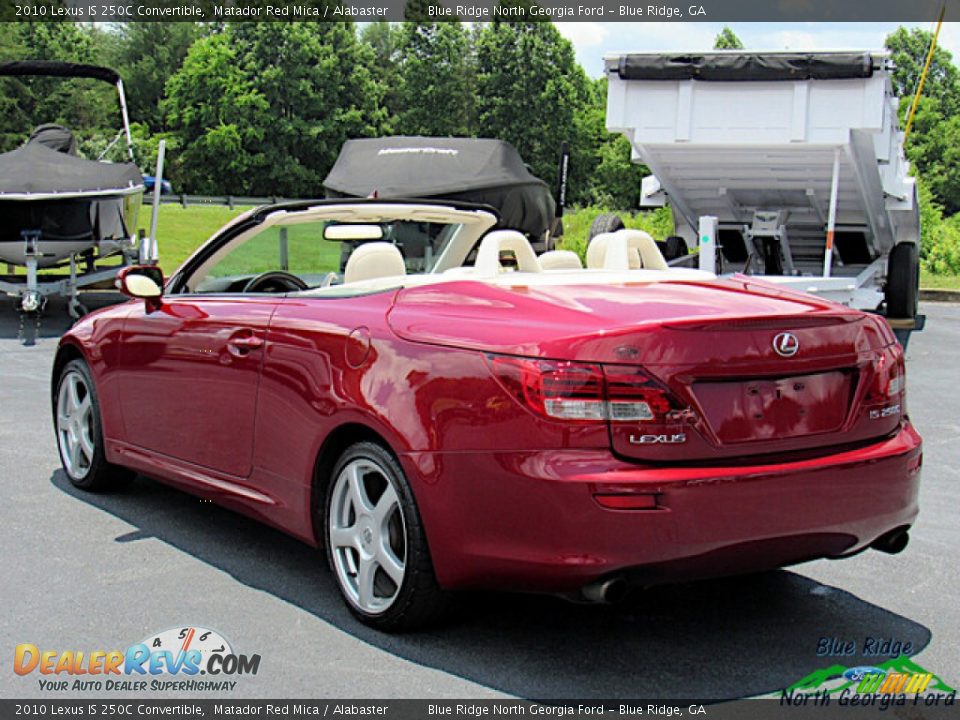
point(605, 223)
point(903, 281)
point(76, 417)
point(674, 247)
point(373, 534)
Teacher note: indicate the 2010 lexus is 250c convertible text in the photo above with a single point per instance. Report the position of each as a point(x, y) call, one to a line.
point(448, 411)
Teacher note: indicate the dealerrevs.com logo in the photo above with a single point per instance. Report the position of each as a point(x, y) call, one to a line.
point(181, 659)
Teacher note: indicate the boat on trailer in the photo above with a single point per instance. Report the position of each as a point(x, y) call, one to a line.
point(65, 212)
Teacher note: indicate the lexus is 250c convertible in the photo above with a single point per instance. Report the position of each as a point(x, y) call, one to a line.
point(449, 411)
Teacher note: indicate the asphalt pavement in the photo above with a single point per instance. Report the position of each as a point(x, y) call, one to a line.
point(101, 572)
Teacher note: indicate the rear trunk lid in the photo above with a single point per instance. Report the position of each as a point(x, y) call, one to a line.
point(749, 368)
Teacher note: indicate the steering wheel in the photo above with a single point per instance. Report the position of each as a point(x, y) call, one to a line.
point(274, 281)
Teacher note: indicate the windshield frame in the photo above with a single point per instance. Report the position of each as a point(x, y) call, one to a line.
point(480, 218)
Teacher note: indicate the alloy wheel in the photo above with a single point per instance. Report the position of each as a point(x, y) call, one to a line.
point(75, 430)
point(367, 536)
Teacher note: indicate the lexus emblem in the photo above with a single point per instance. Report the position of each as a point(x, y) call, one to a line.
point(786, 344)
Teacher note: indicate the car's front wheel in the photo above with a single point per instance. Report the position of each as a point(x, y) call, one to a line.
point(80, 434)
point(376, 545)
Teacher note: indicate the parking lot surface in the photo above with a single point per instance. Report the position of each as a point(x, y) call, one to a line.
point(102, 572)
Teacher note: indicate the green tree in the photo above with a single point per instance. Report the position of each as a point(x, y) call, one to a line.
point(382, 40)
point(529, 91)
point(908, 51)
point(263, 108)
point(88, 107)
point(211, 105)
point(435, 94)
point(607, 176)
point(934, 148)
point(940, 246)
point(727, 40)
point(147, 55)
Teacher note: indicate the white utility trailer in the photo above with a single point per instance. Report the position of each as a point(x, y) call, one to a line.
point(782, 164)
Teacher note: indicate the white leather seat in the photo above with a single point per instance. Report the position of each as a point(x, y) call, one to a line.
point(488, 254)
point(560, 260)
point(626, 249)
point(374, 260)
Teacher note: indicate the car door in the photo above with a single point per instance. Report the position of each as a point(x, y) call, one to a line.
point(189, 376)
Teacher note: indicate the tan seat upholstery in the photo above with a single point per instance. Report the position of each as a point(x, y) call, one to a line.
point(374, 260)
point(560, 260)
point(488, 255)
point(625, 250)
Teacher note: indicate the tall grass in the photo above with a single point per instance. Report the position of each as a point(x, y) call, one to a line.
point(577, 221)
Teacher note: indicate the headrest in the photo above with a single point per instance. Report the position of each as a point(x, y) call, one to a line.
point(626, 249)
point(560, 260)
point(374, 260)
point(488, 255)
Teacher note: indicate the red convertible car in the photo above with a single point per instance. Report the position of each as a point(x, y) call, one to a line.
point(499, 420)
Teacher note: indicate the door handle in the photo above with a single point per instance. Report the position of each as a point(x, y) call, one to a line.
point(242, 345)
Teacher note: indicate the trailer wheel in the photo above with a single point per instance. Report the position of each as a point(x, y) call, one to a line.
point(903, 281)
point(605, 223)
point(675, 247)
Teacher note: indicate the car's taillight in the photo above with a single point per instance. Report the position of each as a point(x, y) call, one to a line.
point(633, 395)
point(582, 392)
point(556, 389)
point(889, 378)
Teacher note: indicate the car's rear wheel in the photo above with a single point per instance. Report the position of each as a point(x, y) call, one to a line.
point(376, 545)
point(80, 434)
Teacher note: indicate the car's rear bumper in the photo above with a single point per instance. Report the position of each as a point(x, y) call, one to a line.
point(530, 520)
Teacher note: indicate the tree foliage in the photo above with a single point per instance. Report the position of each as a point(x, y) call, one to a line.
point(908, 51)
point(435, 80)
point(934, 142)
point(86, 105)
point(934, 148)
point(612, 179)
point(529, 88)
point(382, 40)
point(263, 108)
point(146, 55)
point(727, 40)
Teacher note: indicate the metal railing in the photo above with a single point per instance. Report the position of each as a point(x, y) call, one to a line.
point(229, 201)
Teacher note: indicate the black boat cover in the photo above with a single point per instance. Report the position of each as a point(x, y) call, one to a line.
point(55, 137)
point(473, 170)
point(747, 66)
point(53, 68)
point(36, 168)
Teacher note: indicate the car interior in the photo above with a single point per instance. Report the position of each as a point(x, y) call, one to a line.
point(331, 251)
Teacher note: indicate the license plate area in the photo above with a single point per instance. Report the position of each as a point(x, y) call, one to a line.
point(773, 408)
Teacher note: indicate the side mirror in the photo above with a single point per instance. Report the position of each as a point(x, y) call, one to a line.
point(142, 281)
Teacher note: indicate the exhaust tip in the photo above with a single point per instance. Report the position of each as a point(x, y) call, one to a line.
point(892, 542)
point(610, 590)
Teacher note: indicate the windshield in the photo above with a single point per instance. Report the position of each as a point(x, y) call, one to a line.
point(302, 250)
